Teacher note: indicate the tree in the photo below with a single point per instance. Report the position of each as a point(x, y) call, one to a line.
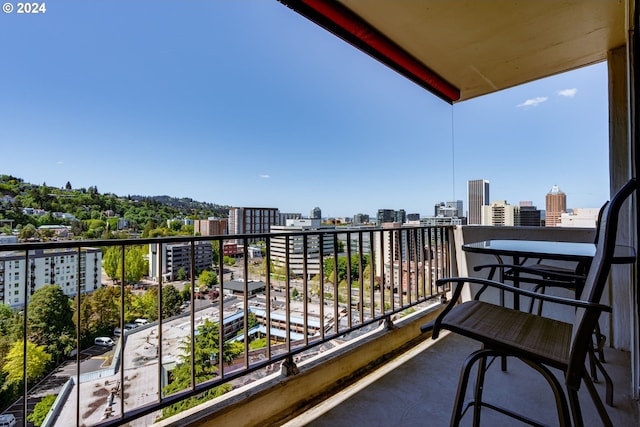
point(182, 273)
point(37, 361)
point(41, 410)
point(207, 279)
point(134, 263)
point(50, 320)
point(171, 301)
point(68, 186)
point(27, 232)
point(110, 262)
point(135, 266)
point(9, 330)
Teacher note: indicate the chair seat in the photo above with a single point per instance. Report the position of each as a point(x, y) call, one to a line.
point(518, 333)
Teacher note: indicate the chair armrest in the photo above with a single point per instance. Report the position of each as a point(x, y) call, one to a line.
point(434, 325)
point(459, 281)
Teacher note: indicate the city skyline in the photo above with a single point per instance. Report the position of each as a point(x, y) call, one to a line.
point(248, 104)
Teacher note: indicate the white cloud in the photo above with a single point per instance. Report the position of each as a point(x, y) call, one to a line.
point(264, 176)
point(59, 162)
point(533, 102)
point(569, 93)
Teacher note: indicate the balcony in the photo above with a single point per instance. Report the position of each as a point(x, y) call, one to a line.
point(335, 355)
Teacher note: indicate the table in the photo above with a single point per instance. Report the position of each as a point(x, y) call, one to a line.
point(520, 250)
point(545, 249)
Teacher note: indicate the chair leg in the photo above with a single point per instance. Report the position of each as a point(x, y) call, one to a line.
point(562, 407)
point(602, 411)
point(575, 408)
point(458, 408)
point(477, 398)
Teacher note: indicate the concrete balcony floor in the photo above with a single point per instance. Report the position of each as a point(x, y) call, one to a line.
point(419, 387)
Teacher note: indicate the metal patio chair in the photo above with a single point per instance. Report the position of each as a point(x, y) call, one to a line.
point(540, 342)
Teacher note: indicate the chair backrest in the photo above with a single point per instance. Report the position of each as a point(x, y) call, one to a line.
point(599, 221)
point(586, 319)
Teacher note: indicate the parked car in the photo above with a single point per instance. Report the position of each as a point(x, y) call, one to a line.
point(141, 322)
point(127, 328)
point(104, 342)
point(7, 420)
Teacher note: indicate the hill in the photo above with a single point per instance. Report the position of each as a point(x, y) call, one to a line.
point(92, 214)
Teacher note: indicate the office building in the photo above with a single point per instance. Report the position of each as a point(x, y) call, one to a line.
point(580, 217)
point(48, 267)
point(556, 206)
point(315, 213)
point(360, 218)
point(251, 220)
point(295, 251)
point(477, 197)
point(530, 216)
point(284, 216)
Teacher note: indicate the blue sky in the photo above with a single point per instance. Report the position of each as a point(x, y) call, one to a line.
point(246, 103)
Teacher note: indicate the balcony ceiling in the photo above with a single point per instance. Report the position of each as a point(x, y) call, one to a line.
point(475, 47)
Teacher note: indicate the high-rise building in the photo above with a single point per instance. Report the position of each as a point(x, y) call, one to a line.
point(360, 218)
point(300, 260)
point(283, 217)
point(251, 220)
point(452, 209)
point(316, 213)
point(529, 215)
point(556, 206)
point(173, 257)
point(501, 213)
point(385, 215)
point(477, 197)
point(48, 267)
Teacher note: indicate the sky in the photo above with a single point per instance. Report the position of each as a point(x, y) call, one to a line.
point(246, 103)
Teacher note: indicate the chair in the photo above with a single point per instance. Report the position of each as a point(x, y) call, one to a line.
point(540, 342)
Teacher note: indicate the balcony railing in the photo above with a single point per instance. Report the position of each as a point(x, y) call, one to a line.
point(307, 289)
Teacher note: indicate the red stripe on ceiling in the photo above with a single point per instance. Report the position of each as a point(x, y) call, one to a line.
point(348, 26)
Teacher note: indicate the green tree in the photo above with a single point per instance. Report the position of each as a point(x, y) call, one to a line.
point(9, 330)
point(171, 301)
point(182, 273)
point(205, 363)
point(207, 279)
point(134, 263)
point(41, 410)
point(27, 232)
point(111, 261)
point(50, 320)
point(104, 303)
point(37, 361)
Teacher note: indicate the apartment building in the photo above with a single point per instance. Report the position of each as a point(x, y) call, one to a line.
point(501, 213)
point(210, 227)
point(48, 267)
point(169, 259)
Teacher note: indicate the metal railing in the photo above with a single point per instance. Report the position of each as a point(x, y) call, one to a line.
point(306, 289)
